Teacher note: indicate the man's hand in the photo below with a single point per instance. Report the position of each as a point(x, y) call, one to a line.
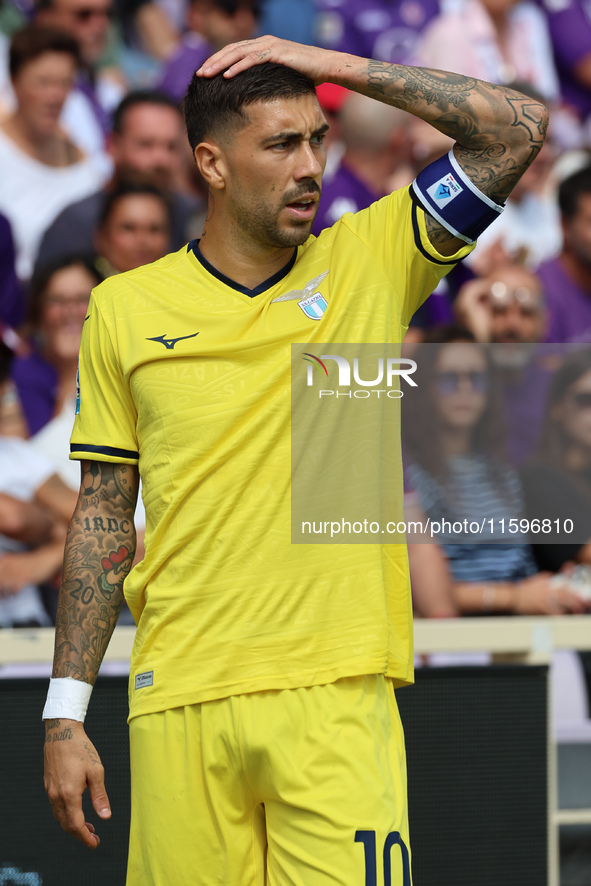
point(318, 64)
point(498, 131)
point(472, 307)
point(540, 595)
point(72, 764)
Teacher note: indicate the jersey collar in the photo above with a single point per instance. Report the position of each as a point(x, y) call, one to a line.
point(193, 247)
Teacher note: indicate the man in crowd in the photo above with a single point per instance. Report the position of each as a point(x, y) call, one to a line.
point(507, 308)
point(211, 24)
point(145, 145)
point(265, 738)
point(567, 278)
point(85, 116)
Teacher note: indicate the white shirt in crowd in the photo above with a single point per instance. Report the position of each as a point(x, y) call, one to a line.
point(22, 472)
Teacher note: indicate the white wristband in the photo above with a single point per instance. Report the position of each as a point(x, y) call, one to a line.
point(67, 698)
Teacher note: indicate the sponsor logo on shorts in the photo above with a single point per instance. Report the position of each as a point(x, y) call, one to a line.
point(146, 679)
point(445, 190)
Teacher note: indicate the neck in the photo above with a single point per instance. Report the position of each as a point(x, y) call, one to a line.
point(580, 273)
point(47, 148)
point(243, 260)
point(456, 441)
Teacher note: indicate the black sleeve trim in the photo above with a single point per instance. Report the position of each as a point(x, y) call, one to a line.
point(104, 450)
point(417, 233)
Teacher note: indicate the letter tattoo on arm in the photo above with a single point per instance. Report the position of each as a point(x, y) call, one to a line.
point(100, 548)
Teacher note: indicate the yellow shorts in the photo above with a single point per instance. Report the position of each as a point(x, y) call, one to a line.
point(301, 787)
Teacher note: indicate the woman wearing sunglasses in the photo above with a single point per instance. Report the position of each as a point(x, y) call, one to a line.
point(452, 432)
point(557, 483)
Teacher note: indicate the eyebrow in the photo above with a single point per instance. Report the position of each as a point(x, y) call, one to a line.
point(292, 135)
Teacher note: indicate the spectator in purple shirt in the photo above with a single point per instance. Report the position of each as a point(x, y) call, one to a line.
point(211, 24)
point(383, 29)
point(567, 278)
point(46, 378)
point(569, 23)
point(507, 309)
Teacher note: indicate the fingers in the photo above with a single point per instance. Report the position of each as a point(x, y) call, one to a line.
point(72, 764)
point(236, 57)
point(98, 794)
point(67, 809)
point(561, 600)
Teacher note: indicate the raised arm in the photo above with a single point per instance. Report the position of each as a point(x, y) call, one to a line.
point(498, 131)
point(100, 548)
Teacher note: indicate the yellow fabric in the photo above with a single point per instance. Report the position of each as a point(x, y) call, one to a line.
point(224, 603)
point(281, 781)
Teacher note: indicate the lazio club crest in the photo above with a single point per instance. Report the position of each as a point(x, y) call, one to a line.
point(314, 307)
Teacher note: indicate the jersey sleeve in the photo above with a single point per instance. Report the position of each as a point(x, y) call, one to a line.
point(393, 229)
point(106, 416)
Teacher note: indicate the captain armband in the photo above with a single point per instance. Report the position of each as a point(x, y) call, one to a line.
point(444, 191)
point(67, 698)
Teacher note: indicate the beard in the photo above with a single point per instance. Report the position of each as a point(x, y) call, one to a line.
point(261, 221)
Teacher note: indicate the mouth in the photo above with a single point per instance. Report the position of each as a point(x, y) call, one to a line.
point(305, 207)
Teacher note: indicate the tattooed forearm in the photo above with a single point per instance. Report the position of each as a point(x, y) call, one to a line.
point(498, 131)
point(99, 552)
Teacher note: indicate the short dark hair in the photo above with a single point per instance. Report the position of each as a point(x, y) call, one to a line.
point(140, 97)
point(126, 189)
point(34, 41)
point(571, 189)
point(42, 277)
point(215, 103)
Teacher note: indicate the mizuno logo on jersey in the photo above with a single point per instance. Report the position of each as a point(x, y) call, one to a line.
point(171, 342)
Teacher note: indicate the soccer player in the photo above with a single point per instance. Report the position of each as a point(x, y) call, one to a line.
point(265, 740)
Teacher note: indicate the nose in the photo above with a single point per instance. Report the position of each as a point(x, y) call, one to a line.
point(312, 161)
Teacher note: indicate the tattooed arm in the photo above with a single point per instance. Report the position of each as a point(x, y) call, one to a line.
point(100, 548)
point(498, 131)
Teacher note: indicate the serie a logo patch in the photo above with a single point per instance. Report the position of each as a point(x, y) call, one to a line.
point(145, 679)
point(445, 190)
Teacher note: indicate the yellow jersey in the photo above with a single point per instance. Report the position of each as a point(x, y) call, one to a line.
point(187, 374)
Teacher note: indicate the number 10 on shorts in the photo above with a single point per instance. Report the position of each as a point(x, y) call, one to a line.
point(368, 838)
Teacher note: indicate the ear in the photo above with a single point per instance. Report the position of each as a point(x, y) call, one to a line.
point(211, 163)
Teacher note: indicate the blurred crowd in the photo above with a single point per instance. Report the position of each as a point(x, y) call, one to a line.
point(97, 178)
